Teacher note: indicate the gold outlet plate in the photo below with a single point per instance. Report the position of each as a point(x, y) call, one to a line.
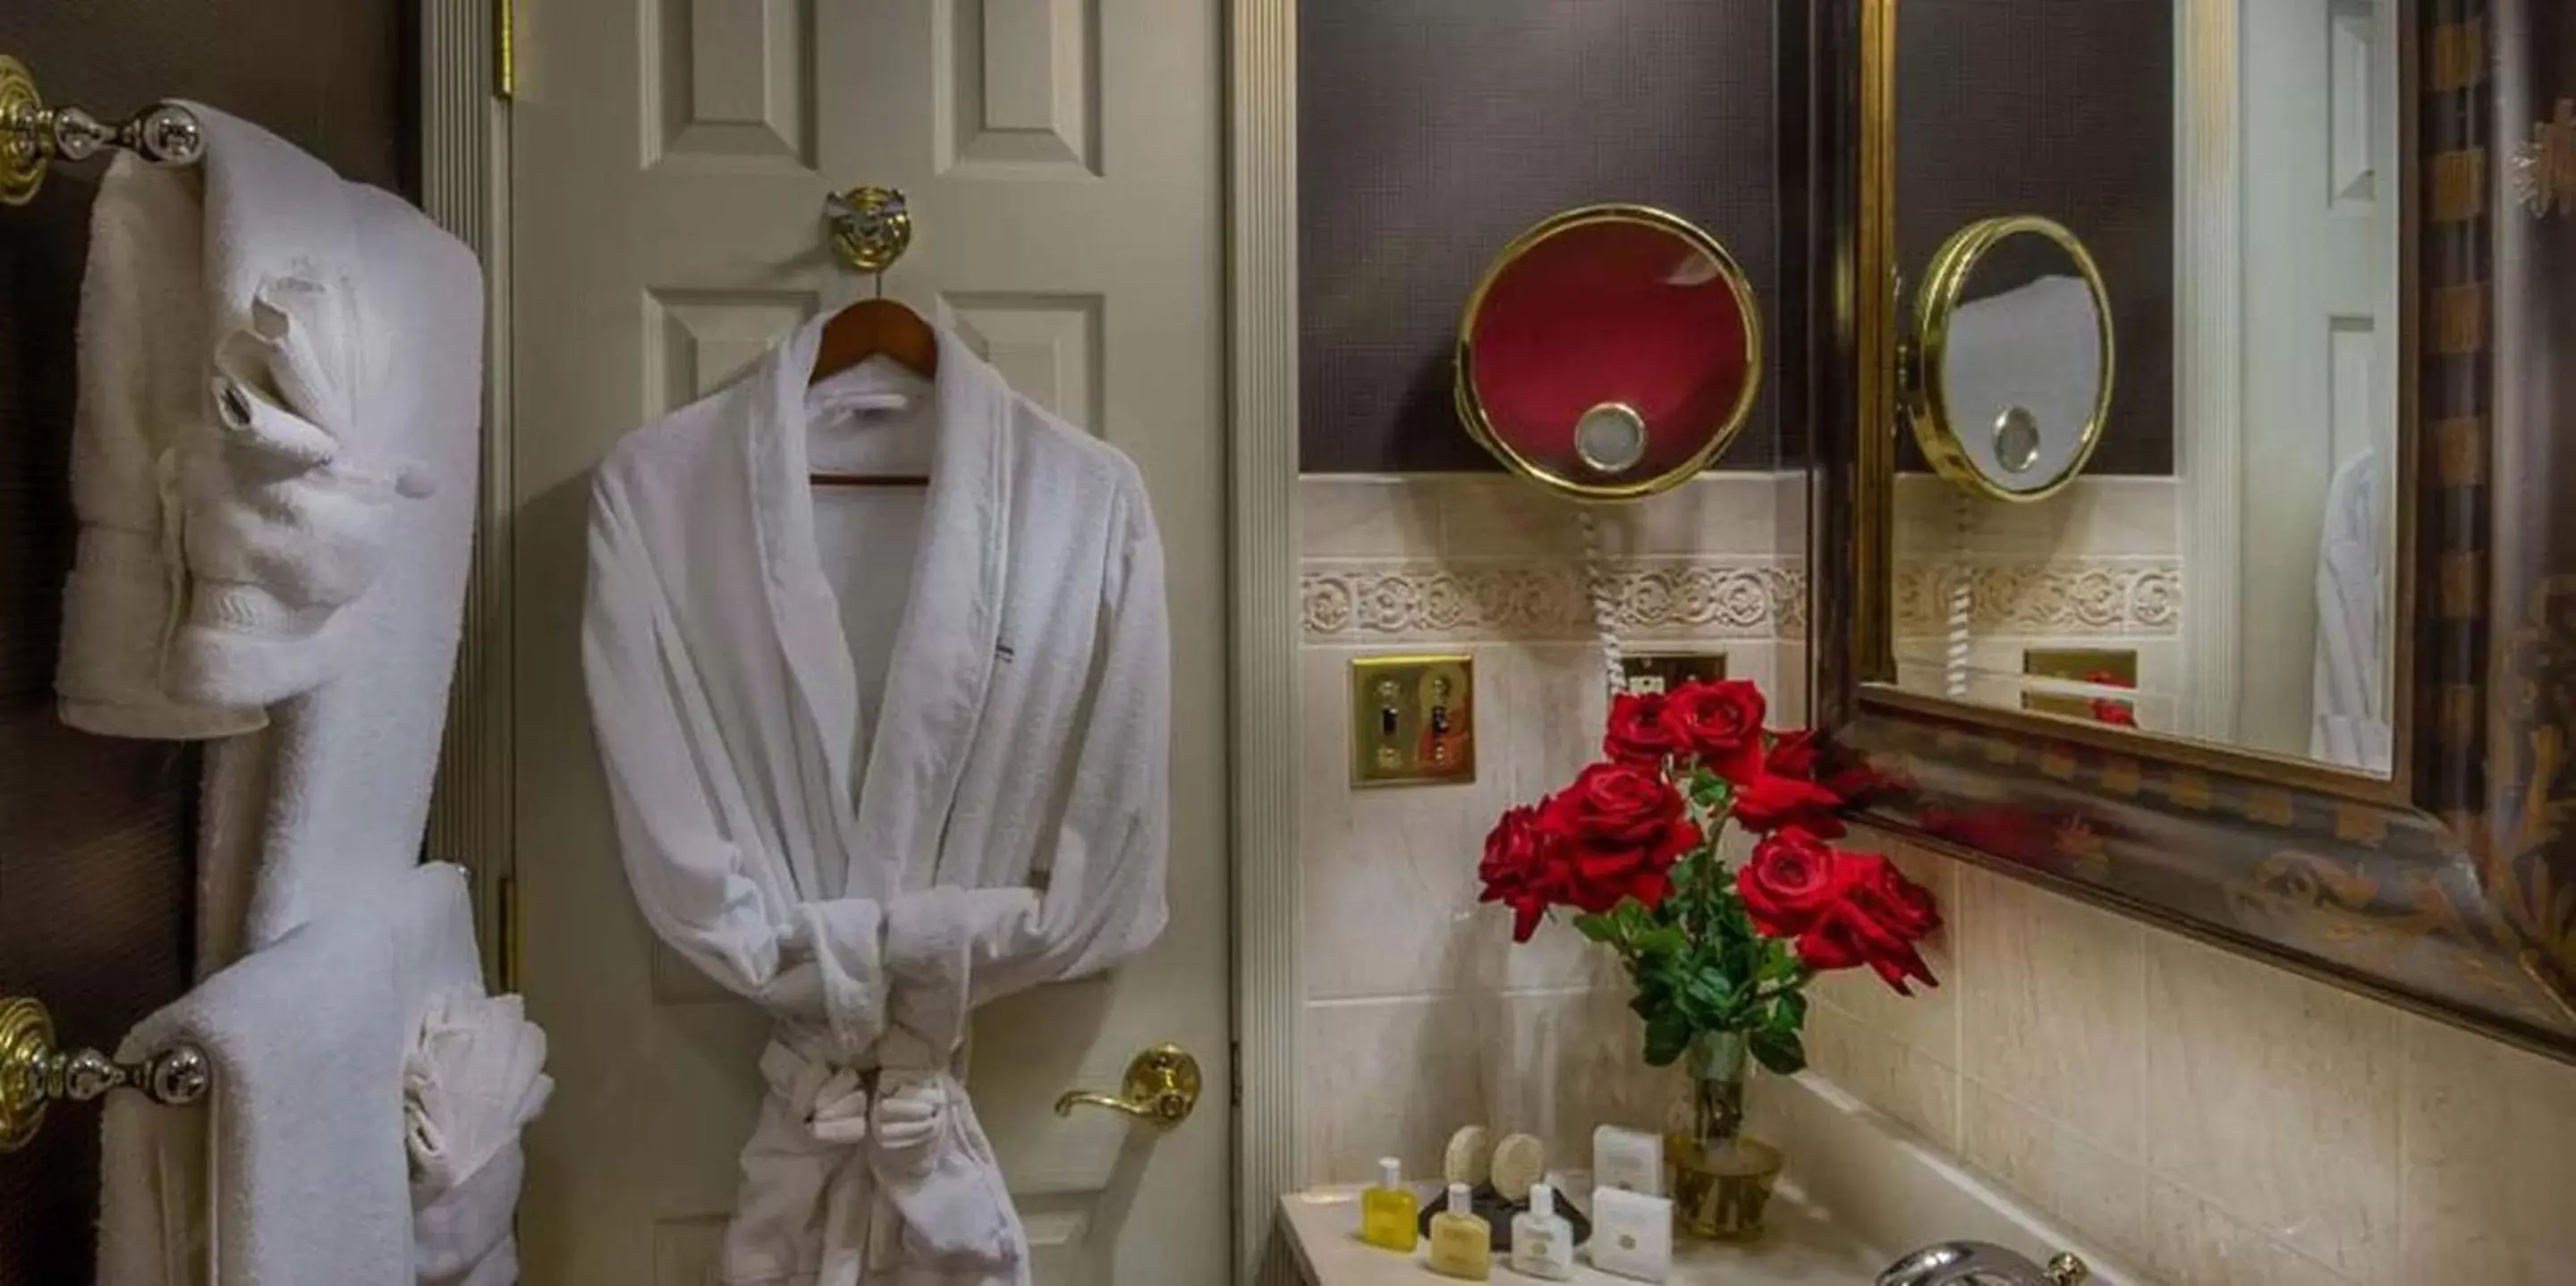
point(2099, 667)
point(1665, 671)
point(1413, 720)
point(2080, 664)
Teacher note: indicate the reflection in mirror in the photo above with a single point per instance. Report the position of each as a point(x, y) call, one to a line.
point(2012, 362)
point(2222, 567)
point(1610, 352)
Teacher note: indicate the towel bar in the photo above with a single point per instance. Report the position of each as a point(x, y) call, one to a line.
point(34, 1075)
point(32, 135)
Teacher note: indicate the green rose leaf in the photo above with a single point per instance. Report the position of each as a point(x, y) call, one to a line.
point(1664, 940)
point(1777, 1051)
point(1668, 1036)
point(1789, 1013)
point(1711, 991)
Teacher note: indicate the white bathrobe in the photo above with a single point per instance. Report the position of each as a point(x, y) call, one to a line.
point(2350, 687)
point(870, 870)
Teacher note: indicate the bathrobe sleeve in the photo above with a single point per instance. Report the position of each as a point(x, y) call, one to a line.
point(697, 886)
point(950, 949)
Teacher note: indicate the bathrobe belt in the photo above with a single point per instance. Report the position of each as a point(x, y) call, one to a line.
point(908, 1181)
point(882, 1148)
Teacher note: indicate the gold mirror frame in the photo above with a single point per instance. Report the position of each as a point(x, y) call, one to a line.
point(1923, 363)
point(1471, 409)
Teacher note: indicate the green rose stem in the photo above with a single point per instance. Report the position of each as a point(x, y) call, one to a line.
point(1700, 968)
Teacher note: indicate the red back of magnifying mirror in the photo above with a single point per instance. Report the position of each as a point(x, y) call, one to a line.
point(1609, 306)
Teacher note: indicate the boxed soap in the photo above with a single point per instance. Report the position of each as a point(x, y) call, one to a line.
point(1632, 1235)
point(1628, 1160)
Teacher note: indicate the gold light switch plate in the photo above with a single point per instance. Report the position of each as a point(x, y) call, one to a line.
point(1665, 671)
point(2080, 664)
point(1413, 720)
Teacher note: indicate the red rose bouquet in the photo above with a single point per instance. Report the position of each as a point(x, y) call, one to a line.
point(1631, 849)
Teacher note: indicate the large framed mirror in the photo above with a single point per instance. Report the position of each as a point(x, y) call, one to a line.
point(2182, 576)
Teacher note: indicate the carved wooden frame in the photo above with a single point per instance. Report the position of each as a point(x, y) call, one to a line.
point(2449, 889)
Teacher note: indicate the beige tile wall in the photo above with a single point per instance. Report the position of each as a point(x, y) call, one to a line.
point(1421, 1015)
point(2097, 565)
point(2217, 1121)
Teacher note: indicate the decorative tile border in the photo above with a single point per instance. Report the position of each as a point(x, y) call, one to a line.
point(1377, 601)
point(2125, 596)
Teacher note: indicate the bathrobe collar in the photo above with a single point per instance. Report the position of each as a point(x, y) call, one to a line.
point(892, 785)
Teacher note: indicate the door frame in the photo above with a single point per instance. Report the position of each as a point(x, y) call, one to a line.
point(2209, 341)
point(464, 124)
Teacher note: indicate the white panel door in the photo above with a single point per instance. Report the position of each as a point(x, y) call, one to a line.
point(671, 162)
point(2321, 210)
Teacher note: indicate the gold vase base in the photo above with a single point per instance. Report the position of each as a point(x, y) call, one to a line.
point(1720, 1189)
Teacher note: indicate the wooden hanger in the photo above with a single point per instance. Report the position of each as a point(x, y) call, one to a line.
point(876, 326)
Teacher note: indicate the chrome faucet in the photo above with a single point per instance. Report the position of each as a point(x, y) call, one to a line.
point(1977, 1263)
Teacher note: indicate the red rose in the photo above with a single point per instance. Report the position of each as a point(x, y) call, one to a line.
point(1905, 907)
point(1721, 724)
point(1641, 731)
point(1791, 879)
point(1846, 937)
point(1622, 827)
point(1523, 869)
point(1770, 802)
point(1876, 923)
point(1793, 754)
point(1797, 753)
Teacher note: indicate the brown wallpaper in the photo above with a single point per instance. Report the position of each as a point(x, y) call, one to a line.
point(96, 834)
point(1431, 131)
point(2063, 109)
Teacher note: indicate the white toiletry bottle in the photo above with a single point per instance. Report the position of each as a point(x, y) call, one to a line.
point(1542, 1241)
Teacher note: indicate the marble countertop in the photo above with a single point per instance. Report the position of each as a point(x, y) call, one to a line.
point(1802, 1248)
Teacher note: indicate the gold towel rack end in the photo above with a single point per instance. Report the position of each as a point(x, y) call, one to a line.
point(35, 1074)
point(33, 136)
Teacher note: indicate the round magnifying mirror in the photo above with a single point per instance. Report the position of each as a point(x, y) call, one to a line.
point(2009, 379)
point(1610, 352)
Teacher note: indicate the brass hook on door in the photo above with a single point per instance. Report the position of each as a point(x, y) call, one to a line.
point(1162, 1089)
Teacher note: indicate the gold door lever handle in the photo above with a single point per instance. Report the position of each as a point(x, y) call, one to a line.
point(34, 1075)
point(1162, 1089)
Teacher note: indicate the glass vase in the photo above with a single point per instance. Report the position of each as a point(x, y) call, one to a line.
point(1721, 1178)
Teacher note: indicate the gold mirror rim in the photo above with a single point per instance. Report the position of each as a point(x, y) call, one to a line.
point(1480, 426)
point(1936, 308)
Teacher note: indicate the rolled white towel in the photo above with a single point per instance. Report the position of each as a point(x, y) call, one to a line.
point(472, 1082)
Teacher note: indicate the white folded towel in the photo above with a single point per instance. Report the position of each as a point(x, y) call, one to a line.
point(143, 359)
point(274, 468)
point(229, 468)
point(472, 1082)
point(308, 1037)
